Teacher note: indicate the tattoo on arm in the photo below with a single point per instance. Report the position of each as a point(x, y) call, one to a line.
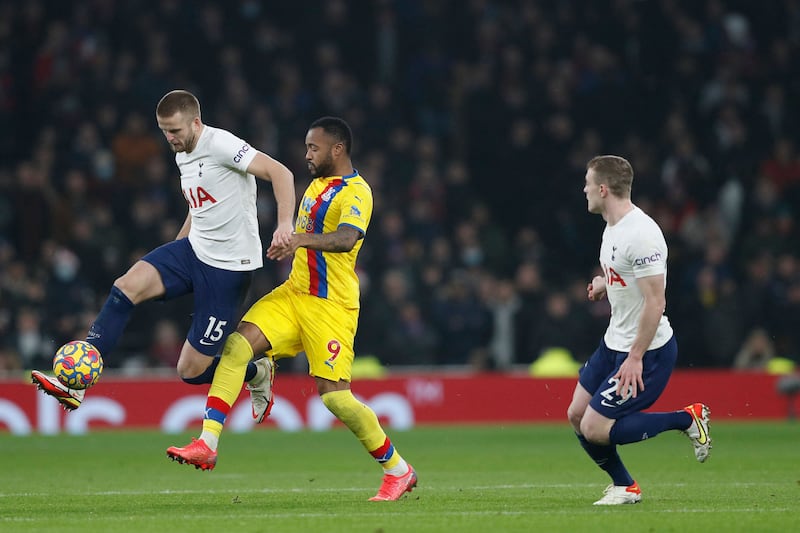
point(341, 240)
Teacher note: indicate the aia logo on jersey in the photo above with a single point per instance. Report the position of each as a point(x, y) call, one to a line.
point(197, 196)
point(612, 277)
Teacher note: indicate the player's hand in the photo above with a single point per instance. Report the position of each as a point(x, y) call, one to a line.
point(282, 235)
point(630, 377)
point(277, 252)
point(596, 290)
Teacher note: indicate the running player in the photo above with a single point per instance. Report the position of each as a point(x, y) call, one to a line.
point(214, 254)
point(315, 310)
point(633, 363)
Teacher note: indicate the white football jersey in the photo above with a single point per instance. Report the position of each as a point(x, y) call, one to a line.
point(222, 200)
point(632, 248)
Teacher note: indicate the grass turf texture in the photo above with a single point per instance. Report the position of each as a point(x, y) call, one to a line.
point(503, 478)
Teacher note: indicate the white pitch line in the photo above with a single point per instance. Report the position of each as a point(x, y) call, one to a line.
point(301, 490)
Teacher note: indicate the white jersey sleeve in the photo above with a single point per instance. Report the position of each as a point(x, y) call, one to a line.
point(633, 248)
point(222, 200)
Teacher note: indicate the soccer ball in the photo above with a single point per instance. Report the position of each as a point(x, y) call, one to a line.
point(78, 365)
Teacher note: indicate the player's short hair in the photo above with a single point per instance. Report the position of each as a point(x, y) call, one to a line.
point(336, 128)
point(178, 101)
point(615, 172)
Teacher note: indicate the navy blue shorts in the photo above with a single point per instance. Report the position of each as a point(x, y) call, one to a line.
point(597, 377)
point(218, 293)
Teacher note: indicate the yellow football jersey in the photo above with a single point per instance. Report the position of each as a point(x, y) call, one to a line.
point(328, 203)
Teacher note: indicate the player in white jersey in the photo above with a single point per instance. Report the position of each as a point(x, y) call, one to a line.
point(631, 367)
point(214, 254)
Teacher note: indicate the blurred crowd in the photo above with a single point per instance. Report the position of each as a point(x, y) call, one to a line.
point(473, 121)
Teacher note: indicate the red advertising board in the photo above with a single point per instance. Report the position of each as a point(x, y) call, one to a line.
point(401, 401)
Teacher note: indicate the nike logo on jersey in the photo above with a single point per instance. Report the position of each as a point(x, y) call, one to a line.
point(206, 343)
point(607, 404)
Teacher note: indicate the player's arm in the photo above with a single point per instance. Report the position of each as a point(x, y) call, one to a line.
point(341, 240)
point(596, 290)
point(187, 225)
point(266, 168)
point(655, 301)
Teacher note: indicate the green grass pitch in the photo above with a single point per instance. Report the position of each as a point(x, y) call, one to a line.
point(482, 479)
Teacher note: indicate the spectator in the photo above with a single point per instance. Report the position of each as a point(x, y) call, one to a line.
point(756, 351)
point(470, 144)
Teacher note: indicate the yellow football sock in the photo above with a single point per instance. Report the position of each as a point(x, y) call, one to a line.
point(227, 384)
point(363, 422)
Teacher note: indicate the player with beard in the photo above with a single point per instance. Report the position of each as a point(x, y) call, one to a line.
point(315, 311)
point(214, 254)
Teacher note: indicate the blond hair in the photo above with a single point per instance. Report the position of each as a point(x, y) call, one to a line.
point(178, 101)
point(613, 171)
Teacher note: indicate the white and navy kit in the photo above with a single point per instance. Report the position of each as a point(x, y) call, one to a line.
point(632, 248)
point(222, 200)
point(223, 248)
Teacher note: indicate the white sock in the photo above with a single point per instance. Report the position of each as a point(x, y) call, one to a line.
point(400, 469)
point(211, 440)
point(261, 373)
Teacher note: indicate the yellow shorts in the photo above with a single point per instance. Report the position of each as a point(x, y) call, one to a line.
point(294, 322)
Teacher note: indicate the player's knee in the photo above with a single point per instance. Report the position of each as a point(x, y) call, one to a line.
point(340, 403)
point(196, 372)
point(594, 433)
point(574, 416)
point(327, 401)
point(127, 286)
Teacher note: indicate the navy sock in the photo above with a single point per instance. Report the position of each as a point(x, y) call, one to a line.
point(250, 373)
point(640, 426)
point(110, 322)
point(207, 376)
point(607, 458)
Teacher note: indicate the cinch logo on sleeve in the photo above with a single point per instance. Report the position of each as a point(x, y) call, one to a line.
point(240, 154)
point(641, 261)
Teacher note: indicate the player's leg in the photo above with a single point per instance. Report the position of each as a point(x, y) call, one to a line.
point(164, 272)
point(226, 383)
point(232, 368)
point(399, 477)
point(591, 428)
point(140, 283)
point(328, 336)
point(231, 371)
point(218, 298)
point(633, 425)
point(272, 331)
